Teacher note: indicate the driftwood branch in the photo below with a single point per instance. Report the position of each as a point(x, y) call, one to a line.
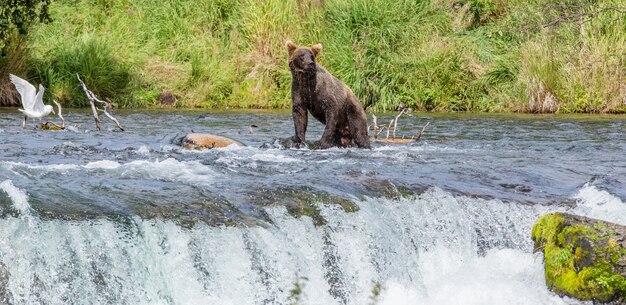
point(380, 131)
point(92, 101)
point(48, 124)
point(60, 114)
point(395, 122)
point(250, 128)
point(91, 98)
point(389, 129)
point(107, 105)
point(52, 125)
point(377, 130)
point(418, 136)
point(375, 126)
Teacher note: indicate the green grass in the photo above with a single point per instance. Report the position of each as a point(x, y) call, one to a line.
point(439, 55)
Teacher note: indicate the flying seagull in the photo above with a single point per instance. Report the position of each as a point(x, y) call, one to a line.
point(32, 101)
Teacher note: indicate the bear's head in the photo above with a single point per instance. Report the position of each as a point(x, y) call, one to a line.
point(302, 58)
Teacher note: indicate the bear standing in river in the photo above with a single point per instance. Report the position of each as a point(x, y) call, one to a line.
point(329, 100)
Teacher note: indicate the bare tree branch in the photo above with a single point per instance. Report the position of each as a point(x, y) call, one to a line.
point(375, 126)
point(49, 124)
point(90, 97)
point(389, 129)
point(395, 123)
point(106, 105)
point(60, 114)
point(418, 136)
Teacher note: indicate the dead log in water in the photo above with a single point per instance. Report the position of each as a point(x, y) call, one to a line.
point(376, 130)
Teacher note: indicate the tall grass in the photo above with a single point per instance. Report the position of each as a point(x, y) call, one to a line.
point(440, 55)
point(94, 60)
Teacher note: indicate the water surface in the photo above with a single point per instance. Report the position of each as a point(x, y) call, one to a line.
point(129, 217)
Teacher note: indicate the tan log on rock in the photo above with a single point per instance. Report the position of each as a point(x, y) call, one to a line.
point(206, 141)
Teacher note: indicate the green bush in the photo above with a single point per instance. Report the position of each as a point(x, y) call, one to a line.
point(16, 17)
point(97, 65)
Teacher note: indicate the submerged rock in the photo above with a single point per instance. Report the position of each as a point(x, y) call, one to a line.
point(206, 141)
point(50, 126)
point(301, 201)
point(290, 143)
point(584, 258)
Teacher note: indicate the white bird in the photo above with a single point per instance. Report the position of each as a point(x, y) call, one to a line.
point(32, 101)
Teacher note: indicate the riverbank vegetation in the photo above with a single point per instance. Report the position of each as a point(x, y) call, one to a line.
point(539, 56)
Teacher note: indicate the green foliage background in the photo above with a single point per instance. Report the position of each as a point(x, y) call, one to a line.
point(440, 55)
point(16, 16)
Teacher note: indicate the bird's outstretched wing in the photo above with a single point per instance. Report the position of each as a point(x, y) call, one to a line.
point(26, 90)
point(38, 105)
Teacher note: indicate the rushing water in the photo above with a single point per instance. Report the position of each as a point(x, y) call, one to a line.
point(130, 218)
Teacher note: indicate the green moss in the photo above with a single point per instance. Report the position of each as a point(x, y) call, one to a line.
point(546, 227)
point(303, 202)
point(580, 260)
point(46, 126)
point(375, 187)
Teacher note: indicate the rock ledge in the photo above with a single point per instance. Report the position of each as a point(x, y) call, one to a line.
point(585, 258)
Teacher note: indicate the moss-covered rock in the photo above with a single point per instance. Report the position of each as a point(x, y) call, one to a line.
point(302, 201)
point(50, 126)
point(584, 258)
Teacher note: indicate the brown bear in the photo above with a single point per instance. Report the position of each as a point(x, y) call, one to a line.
point(329, 100)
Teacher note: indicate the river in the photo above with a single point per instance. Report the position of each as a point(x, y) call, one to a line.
point(112, 217)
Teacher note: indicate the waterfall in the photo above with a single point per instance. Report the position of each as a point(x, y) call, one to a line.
point(435, 248)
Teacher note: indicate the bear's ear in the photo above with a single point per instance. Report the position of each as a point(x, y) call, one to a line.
point(316, 48)
point(290, 46)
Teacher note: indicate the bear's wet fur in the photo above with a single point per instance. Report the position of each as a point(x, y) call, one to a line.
point(328, 99)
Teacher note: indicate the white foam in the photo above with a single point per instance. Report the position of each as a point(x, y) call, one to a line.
point(600, 204)
point(230, 148)
point(18, 197)
point(234, 154)
point(169, 148)
point(421, 148)
point(169, 169)
point(143, 150)
point(274, 157)
point(72, 128)
point(50, 167)
point(500, 277)
point(103, 164)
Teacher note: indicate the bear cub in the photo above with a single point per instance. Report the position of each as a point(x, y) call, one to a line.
point(328, 99)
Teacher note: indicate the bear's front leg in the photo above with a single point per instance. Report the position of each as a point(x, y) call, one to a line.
point(300, 121)
point(330, 131)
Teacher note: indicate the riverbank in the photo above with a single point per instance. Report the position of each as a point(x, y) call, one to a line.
point(439, 55)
